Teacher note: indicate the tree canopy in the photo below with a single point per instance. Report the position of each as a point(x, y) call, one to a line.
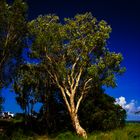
point(75, 56)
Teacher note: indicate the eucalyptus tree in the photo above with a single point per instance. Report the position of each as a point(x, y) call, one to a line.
point(13, 31)
point(75, 55)
point(26, 86)
point(32, 85)
point(97, 112)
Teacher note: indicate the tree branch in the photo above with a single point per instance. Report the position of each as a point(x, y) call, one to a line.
point(82, 94)
point(67, 91)
point(69, 81)
point(73, 66)
point(63, 92)
point(77, 80)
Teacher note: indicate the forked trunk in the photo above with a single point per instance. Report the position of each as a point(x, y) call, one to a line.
point(79, 130)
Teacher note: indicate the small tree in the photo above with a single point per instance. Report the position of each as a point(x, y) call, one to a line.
point(75, 56)
point(26, 86)
point(32, 85)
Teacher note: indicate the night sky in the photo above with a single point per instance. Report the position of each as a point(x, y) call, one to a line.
point(124, 18)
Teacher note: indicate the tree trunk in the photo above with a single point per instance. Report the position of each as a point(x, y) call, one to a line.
point(79, 130)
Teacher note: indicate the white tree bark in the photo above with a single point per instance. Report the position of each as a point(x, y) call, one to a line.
point(68, 90)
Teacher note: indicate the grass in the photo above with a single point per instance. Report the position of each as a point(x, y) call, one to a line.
point(130, 132)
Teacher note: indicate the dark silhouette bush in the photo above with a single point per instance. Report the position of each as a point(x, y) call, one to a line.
point(99, 112)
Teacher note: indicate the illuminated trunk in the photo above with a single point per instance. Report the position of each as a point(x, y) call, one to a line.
point(68, 94)
point(79, 130)
point(75, 120)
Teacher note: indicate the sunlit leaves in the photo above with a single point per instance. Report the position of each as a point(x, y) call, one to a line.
point(83, 38)
point(93, 70)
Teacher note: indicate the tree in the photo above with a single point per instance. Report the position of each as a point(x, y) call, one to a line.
point(13, 31)
point(26, 86)
point(99, 112)
point(31, 89)
point(75, 56)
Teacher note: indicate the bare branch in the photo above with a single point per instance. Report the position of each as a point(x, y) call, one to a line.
point(51, 76)
point(69, 80)
point(63, 92)
point(84, 91)
point(77, 79)
point(65, 98)
point(73, 66)
point(67, 91)
point(49, 58)
point(85, 85)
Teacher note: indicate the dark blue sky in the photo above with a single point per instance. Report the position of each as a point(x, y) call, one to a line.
point(124, 18)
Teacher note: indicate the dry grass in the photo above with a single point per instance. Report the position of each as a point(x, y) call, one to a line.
point(43, 138)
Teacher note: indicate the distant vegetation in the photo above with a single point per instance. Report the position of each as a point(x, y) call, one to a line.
point(69, 65)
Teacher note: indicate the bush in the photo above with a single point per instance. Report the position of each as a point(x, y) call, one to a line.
point(19, 135)
point(99, 112)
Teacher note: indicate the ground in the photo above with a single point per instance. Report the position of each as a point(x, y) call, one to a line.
point(7, 131)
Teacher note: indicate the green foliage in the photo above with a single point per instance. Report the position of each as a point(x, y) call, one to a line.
point(98, 112)
point(127, 133)
point(26, 87)
point(19, 135)
point(82, 37)
point(13, 31)
point(16, 131)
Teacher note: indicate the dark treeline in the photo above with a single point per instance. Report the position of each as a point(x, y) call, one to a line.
point(72, 65)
